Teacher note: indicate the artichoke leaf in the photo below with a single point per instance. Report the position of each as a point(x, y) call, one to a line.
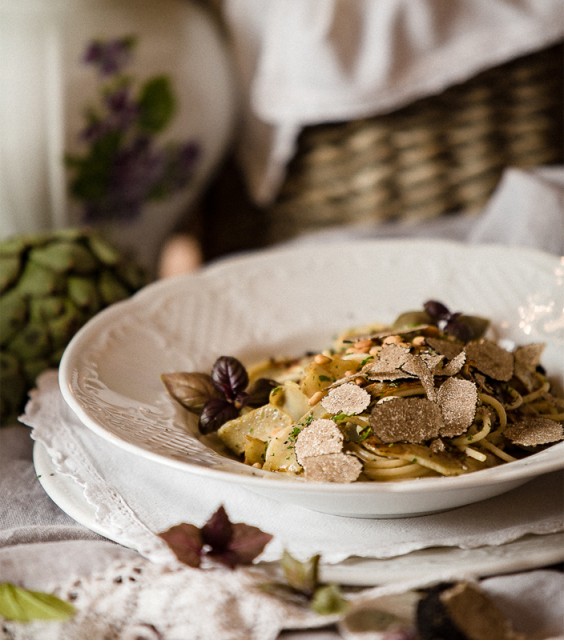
point(111, 288)
point(83, 293)
point(63, 257)
point(10, 267)
point(31, 343)
point(38, 281)
point(13, 315)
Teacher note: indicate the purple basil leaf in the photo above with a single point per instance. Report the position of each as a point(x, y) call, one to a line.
point(225, 557)
point(191, 389)
point(215, 413)
point(185, 540)
point(247, 542)
point(218, 530)
point(229, 376)
point(436, 310)
point(259, 393)
point(232, 543)
point(457, 327)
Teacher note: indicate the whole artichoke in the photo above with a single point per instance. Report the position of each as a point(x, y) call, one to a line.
point(50, 285)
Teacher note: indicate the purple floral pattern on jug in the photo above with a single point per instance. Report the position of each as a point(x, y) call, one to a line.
point(124, 165)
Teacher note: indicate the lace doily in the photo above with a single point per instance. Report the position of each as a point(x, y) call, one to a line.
point(137, 599)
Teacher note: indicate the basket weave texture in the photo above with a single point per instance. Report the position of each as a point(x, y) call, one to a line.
point(440, 154)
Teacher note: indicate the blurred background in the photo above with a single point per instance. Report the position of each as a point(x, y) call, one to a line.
point(363, 118)
point(188, 130)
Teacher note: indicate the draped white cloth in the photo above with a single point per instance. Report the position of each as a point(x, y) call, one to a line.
point(313, 61)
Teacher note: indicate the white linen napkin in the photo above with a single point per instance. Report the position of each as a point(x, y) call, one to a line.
point(135, 498)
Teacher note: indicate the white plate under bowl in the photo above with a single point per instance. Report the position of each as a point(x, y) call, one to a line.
point(283, 302)
point(426, 565)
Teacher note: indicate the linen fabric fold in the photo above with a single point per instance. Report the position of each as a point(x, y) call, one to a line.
point(315, 61)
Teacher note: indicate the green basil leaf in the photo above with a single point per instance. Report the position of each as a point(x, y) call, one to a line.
point(301, 576)
point(327, 599)
point(19, 604)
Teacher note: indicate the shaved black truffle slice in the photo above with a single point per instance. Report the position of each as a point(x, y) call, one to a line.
point(527, 359)
point(408, 420)
point(534, 430)
point(387, 365)
point(450, 349)
point(321, 436)
point(457, 399)
point(490, 359)
point(461, 611)
point(432, 618)
point(332, 468)
point(418, 367)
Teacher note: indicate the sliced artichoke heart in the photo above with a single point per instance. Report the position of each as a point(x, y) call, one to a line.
point(290, 399)
point(316, 378)
point(255, 449)
point(280, 455)
point(259, 423)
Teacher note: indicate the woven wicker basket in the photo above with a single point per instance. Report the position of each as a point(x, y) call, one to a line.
point(441, 154)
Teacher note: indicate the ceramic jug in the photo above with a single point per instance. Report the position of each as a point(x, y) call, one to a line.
point(113, 114)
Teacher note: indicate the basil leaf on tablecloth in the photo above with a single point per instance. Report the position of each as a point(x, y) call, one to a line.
point(19, 604)
point(231, 544)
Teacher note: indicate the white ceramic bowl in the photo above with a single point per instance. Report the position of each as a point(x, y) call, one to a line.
point(285, 301)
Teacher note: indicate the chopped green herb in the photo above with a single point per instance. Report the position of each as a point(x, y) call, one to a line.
point(364, 433)
point(306, 421)
point(293, 435)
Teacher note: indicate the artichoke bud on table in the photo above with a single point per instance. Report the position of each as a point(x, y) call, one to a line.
point(50, 285)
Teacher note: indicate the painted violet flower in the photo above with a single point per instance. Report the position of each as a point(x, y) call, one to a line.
point(124, 165)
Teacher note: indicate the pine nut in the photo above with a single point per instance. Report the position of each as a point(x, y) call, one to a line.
point(315, 398)
point(363, 345)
